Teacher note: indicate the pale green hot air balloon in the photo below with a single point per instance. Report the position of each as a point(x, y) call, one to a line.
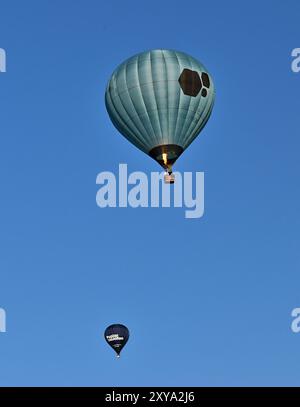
point(160, 100)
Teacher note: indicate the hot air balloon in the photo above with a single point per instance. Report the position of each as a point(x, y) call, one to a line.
point(160, 100)
point(116, 336)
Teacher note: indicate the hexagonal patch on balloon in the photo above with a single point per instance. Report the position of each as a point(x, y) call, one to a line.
point(190, 82)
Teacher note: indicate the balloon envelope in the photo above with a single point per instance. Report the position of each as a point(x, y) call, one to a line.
point(160, 100)
point(116, 336)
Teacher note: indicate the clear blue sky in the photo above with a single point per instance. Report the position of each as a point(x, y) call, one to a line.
point(207, 301)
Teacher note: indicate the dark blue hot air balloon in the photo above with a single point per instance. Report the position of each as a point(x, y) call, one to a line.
point(160, 100)
point(116, 336)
